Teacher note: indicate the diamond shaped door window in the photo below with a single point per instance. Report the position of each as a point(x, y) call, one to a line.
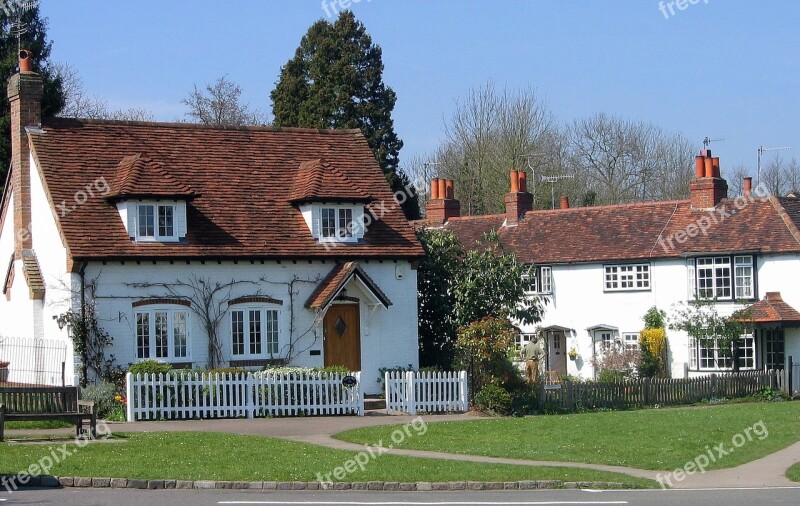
point(340, 326)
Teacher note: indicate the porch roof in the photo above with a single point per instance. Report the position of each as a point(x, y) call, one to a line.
point(556, 328)
point(330, 287)
point(771, 310)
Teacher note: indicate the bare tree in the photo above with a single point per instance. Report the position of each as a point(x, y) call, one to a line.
point(735, 177)
point(219, 104)
point(490, 133)
point(78, 103)
point(792, 177)
point(626, 161)
point(773, 176)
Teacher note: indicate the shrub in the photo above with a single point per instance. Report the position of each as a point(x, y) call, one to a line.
point(493, 399)
point(610, 376)
point(483, 349)
point(653, 342)
point(108, 404)
point(226, 370)
point(149, 367)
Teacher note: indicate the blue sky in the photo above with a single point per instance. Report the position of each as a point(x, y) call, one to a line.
point(717, 68)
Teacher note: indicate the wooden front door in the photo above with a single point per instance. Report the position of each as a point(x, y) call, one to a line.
point(342, 333)
point(557, 352)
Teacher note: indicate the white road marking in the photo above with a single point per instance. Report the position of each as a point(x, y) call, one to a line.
point(410, 503)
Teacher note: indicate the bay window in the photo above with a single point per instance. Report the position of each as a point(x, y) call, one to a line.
point(711, 354)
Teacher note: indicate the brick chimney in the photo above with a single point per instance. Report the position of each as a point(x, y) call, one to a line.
point(708, 188)
point(442, 204)
point(518, 201)
point(25, 91)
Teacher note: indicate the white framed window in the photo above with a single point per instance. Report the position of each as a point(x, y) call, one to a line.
point(254, 332)
point(606, 340)
point(707, 355)
point(743, 266)
point(630, 340)
point(162, 333)
point(627, 277)
point(542, 282)
point(156, 222)
point(522, 340)
point(722, 277)
point(714, 278)
point(340, 223)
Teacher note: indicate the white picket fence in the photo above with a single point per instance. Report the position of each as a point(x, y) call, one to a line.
point(180, 395)
point(430, 392)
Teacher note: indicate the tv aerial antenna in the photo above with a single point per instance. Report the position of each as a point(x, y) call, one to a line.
point(19, 27)
point(761, 151)
point(527, 159)
point(553, 180)
point(708, 141)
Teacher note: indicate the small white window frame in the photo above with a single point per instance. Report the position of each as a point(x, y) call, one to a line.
point(627, 277)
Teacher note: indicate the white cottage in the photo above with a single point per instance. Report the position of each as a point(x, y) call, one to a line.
point(603, 267)
point(200, 245)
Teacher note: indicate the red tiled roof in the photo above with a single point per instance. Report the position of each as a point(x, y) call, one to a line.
point(771, 310)
point(641, 231)
point(243, 178)
point(337, 279)
point(318, 181)
point(140, 176)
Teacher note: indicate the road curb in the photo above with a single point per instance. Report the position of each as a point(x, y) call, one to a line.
point(388, 486)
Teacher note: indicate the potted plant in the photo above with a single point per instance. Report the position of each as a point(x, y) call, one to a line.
point(573, 354)
point(4, 371)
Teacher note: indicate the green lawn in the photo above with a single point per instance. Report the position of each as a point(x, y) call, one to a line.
point(45, 424)
point(657, 439)
point(207, 456)
point(793, 473)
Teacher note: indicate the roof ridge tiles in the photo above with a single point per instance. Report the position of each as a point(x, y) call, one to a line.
point(199, 126)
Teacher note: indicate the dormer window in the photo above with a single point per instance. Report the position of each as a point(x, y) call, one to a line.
point(150, 201)
point(156, 222)
point(331, 204)
point(337, 223)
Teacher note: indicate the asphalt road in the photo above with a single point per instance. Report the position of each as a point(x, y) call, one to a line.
point(130, 497)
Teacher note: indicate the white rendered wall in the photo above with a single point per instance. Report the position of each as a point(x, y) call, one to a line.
point(388, 339)
point(579, 302)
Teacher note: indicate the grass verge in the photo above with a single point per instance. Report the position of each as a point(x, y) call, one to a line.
point(793, 473)
point(44, 424)
point(657, 439)
point(212, 456)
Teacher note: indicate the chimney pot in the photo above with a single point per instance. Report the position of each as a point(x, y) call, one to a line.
point(523, 181)
point(709, 167)
point(748, 186)
point(448, 188)
point(564, 202)
point(715, 166)
point(699, 166)
point(25, 60)
point(442, 192)
point(435, 188)
point(514, 181)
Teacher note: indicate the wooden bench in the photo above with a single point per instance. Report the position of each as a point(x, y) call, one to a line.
point(31, 404)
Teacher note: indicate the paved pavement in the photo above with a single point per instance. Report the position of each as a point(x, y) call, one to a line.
point(768, 471)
